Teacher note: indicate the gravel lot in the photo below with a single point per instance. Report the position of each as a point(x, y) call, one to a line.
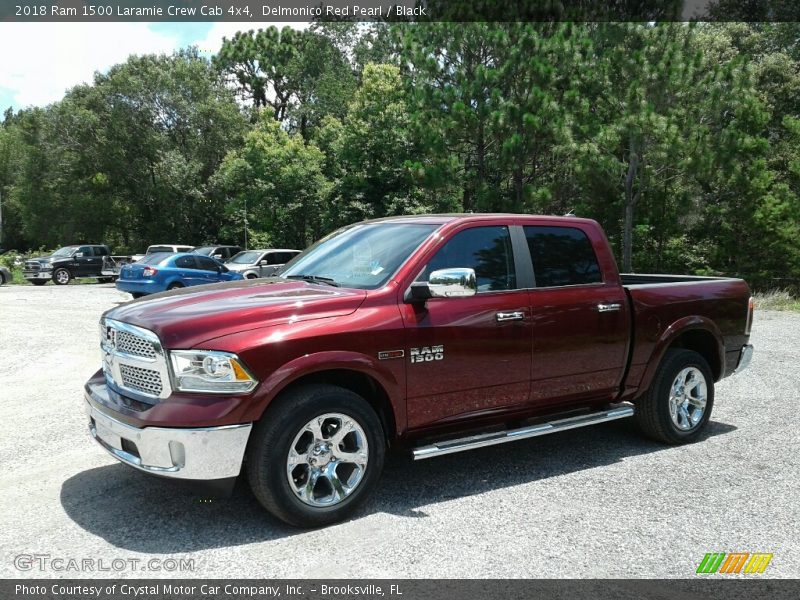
point(594, 502)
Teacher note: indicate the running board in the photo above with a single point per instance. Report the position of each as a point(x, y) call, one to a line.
point(620, 411)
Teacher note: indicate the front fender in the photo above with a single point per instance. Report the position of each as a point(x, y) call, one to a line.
point(318, 362)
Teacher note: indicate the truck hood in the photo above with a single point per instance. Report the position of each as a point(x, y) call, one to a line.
point(47, 259)
point(188, 317)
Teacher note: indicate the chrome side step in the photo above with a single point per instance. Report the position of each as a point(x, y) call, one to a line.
point(481, 440)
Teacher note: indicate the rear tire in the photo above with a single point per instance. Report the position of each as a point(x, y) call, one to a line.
point(62, 276)
point(678, 404)
point(136, 295)
point(320, 434)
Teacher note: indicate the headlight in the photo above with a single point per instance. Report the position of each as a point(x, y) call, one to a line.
point(47, 267)
point(209, 371)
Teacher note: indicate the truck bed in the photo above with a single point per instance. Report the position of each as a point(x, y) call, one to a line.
point(661, 303)
point(641, 279)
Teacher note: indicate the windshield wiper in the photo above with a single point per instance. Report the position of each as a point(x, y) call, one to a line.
point(314, 279)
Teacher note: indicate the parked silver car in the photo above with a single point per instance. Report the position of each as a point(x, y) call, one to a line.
point(260, 263)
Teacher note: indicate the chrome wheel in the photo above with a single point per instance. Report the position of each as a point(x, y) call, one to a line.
point(62, 277)
point(327, 460)
point(687, 398)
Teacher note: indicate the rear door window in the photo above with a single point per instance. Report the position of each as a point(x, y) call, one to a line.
point(185, 262)
point(562, 256)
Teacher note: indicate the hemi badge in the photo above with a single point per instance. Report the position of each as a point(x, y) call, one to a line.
point(387, 354)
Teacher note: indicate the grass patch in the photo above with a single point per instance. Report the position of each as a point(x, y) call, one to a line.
point(18, 279)
point(776, 300)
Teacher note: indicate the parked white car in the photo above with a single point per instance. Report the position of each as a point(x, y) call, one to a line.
point(162, 248)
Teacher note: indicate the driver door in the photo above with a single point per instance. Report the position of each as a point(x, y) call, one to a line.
point(470, 356)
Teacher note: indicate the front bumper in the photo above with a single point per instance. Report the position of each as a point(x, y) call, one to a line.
point(206, 453)
point(745, 356)
point(34, 275)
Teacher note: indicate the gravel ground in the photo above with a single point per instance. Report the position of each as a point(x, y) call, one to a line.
point(594, 502)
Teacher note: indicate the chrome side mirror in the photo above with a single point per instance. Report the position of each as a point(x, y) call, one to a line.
point(452, 283)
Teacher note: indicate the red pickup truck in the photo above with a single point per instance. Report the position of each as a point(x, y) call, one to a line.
point(435, 334)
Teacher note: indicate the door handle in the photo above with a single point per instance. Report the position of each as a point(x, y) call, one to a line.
point(509, 316)
point(609, 307)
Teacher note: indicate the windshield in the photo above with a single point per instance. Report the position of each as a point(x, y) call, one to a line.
point(245, 258)
point(361, 256)
point(65, 251)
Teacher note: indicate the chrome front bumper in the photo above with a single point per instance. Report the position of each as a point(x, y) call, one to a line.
point(30, 275)
point(200, 454)
point(745, 357)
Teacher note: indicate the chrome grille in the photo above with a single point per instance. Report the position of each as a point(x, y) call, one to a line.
point(32, 265)
point(146, 381)
point(134, 345)
point(134, 361)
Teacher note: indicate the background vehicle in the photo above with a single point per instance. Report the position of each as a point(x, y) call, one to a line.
point(162, 248)
point(438, 334)
point(5, 275)
point(260, 263)
point(67, 263)
point(167, 271)
point(222, 253)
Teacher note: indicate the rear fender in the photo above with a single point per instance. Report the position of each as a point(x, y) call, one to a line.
point(671, 334)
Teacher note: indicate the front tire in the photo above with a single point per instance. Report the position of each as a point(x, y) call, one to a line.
point(38, 281)
point(316, 455)
point(678, 404)
point(62, 276)
point(174, 286)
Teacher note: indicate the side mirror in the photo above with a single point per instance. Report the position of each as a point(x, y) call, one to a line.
point(445, 283)
point(78, 254)
point(223, 269)
point(263, 263)
point(218, 256)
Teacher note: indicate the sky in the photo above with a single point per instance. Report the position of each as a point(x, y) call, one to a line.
point(41, 61)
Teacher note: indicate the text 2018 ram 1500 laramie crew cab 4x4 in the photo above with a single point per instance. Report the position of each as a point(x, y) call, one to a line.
point(432, 333)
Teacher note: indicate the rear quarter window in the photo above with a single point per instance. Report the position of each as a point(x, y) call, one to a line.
point(562, 256)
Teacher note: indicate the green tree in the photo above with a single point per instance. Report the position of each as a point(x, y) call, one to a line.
point(278, 177)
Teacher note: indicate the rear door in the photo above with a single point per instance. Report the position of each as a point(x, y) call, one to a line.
point(469, 357)
point(580, 322)
point(187, 270)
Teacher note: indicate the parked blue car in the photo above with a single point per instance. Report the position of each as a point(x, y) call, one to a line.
point(167, 271)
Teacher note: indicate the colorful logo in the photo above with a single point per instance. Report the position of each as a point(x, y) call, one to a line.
point(734, 562)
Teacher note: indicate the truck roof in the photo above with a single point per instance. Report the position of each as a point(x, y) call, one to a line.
point(443, 218)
